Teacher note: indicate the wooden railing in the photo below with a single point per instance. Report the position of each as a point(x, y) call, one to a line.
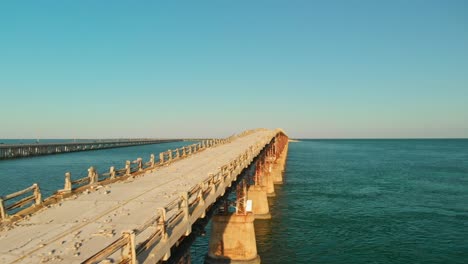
point(126, 245)
point(175, 220)
point(131, 169)
point(35, 198)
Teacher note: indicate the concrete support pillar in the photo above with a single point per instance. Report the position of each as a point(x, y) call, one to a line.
point(260, 206)
point(278, 170)
point(152, 160)
point(267, 180)
point(161, 158)
point(277, 173)
point(232, 240)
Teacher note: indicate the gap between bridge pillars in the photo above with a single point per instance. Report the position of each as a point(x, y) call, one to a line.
point(233, 240)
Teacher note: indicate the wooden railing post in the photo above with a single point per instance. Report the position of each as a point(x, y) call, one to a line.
point(201, 198)
point(92, 175)
point(37, 194)
point(161, 158)
point(152, 160)
point(128, 251)
point(164, 235)
point(140, 164)
point(177, 153)
point(112, 172)
point(212, 184)
point(68, 184)
point(183, 152)
point(127, 168)
point(3, 213)
point(170, 155)
point(185, 208)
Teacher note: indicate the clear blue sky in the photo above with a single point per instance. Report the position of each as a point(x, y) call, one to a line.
point(101, 69)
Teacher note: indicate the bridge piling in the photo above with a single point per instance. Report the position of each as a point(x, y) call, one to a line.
point(232, 240)
point(267, 179)
point(258, 195)
point(233, 236)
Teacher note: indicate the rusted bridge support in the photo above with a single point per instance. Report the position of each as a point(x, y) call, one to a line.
point(268, 179)
point(280, 155)
point(232, 240)
point(233, 234)
point(257, 193)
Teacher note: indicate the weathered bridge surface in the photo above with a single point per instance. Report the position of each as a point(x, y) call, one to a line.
point(78, 227)
point(12, 151)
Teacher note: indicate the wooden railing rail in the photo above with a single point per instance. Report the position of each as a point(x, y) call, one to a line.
point(126, 243)
point(35, 197)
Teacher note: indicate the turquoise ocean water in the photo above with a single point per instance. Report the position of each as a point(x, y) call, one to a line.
point(343, 201)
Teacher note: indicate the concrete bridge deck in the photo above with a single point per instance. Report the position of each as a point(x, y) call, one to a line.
point(79, 226)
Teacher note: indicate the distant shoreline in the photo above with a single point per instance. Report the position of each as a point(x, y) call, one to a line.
point(294, 140)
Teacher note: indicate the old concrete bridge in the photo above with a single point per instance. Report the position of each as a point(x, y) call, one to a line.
point(142, 212)
point(13, 151)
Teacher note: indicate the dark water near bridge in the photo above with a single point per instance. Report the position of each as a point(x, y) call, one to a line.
point(343, 201)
